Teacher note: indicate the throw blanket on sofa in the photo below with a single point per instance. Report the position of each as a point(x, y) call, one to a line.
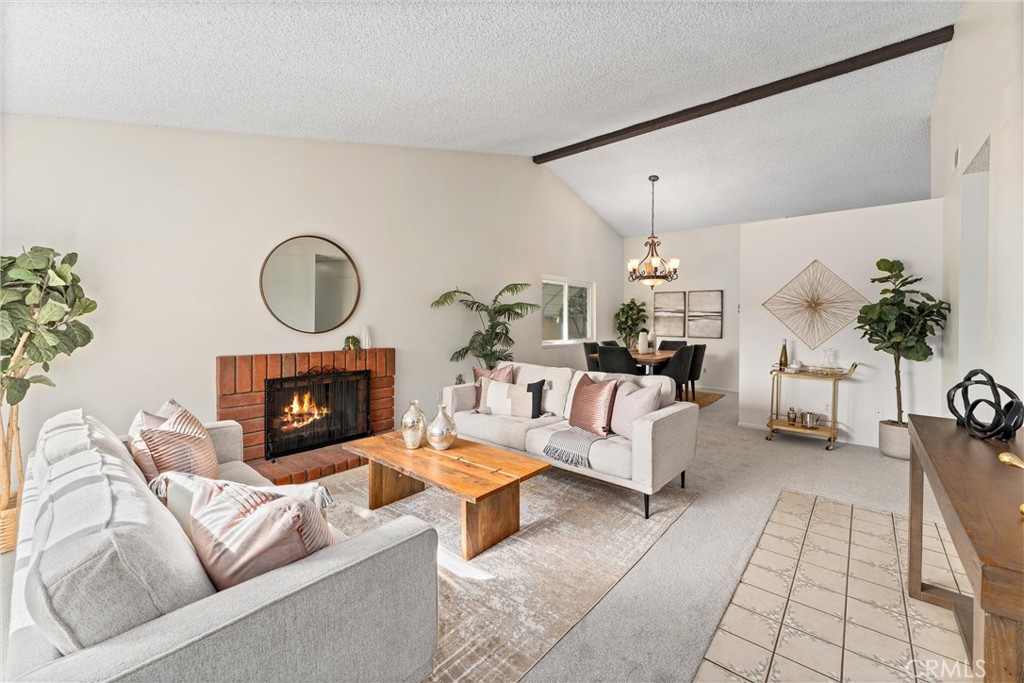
point(572, 446)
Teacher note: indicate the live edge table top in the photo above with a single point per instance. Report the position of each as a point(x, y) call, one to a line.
point(469, 470)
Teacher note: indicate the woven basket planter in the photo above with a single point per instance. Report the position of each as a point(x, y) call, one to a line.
point(9, 525)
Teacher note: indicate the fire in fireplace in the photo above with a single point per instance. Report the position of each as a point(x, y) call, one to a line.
point(298, 414)
point(321, 407)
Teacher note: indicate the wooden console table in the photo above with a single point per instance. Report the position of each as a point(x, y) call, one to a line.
point(978, 497)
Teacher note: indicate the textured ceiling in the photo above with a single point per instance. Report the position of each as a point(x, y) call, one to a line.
point(854, 141)
point(515, 78)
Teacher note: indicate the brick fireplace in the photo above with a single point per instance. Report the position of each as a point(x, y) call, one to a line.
point(241, 396)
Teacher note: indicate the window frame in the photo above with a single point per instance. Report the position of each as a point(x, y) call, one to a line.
point(566, 283)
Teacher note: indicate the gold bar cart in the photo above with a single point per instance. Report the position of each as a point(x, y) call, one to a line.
point(777, 421)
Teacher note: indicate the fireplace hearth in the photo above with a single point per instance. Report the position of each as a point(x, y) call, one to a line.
point(320, 407)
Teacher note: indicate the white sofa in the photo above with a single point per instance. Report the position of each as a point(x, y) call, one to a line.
point(363, 609)
point(664, 442)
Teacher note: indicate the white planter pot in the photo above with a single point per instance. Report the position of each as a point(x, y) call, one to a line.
point(894, 440)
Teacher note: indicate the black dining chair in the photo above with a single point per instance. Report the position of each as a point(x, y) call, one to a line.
point(589, 350)
point(617, 359)
point(610, 342)
point(670, 345)
point(678, 368)
point(696, 366)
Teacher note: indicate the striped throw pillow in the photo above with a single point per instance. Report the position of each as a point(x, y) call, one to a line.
point(173, 440)
point(592, 405)
point(177, 489)
point(240, 532)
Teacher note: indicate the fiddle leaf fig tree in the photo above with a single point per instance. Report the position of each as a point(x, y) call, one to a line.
point(630, 320)
point(41, 301)
point(492, 343)
point(901, 322)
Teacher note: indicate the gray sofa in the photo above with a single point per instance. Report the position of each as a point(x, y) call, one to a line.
point(664, 442)
point(363, 609)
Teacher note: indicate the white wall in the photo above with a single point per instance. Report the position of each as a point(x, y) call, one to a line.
point(709, 259)
point(979, 98)
point(172, 227)
point(848, 243)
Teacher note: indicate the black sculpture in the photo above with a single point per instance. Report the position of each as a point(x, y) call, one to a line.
point(1008, 417)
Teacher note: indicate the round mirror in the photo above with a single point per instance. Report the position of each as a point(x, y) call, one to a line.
point(310, 284)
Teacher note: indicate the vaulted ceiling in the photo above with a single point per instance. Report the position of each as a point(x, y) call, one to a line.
point(520, 78)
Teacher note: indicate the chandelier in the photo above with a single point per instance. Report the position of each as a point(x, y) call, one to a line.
point(653, 270)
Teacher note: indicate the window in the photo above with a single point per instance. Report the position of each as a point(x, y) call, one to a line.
point(567, 310)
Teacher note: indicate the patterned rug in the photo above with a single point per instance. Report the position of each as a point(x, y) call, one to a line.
point(706, 398)
point(824, 598)
point(502, 611)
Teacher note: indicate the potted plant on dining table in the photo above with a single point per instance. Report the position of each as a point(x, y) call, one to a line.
point(629, 322)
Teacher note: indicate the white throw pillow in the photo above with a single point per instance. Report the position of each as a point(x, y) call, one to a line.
point(632, 403)
point(516, 400)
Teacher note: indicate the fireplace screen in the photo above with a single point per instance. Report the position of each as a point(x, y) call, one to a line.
point(319, 408)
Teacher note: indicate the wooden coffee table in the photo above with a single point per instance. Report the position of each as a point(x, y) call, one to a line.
point(486, 478)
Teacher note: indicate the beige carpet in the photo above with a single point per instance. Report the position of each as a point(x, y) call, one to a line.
point(501, 612)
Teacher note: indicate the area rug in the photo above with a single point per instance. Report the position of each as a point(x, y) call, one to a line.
point(502, 611)
point(706, 398)
point(824, 598)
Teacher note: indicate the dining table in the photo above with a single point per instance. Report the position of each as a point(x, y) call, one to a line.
point(649, 360)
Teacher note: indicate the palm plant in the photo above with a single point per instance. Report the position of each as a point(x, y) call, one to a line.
point(492, 343)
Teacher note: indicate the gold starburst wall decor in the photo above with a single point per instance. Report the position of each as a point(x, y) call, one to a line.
point(816, 304)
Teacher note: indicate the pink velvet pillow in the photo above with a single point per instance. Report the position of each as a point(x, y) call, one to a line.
point(631, 403)
point(592, 405)
point(240, 532)
point(502, 374)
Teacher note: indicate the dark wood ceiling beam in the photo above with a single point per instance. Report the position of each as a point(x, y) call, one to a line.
point(861, 61)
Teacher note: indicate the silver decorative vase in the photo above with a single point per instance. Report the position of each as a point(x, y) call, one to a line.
point(441, 433)
point(414, 426)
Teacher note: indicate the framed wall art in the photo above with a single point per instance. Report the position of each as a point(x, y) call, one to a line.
point(704, 314)
point(669, 314)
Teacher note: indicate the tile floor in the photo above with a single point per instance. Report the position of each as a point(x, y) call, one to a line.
point(824, 599)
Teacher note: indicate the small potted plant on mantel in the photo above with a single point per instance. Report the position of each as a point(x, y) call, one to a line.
point(630, 320)
point(900, 324)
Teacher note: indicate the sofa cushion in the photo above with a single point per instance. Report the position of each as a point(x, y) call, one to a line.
point(501, 373)
point(516, 400)
point(554, 400)
point(72, 432)
point(177, 490)
point(592, 405)
point(139, 450)
point(236, 470)
point(175, 443)
point(241, 532)
point(632, 402)
point(612, 456)
point(666, 385)
point(506, 431)
point(106, 555)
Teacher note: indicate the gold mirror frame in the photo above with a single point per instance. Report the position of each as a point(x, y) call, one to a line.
point(355, 269)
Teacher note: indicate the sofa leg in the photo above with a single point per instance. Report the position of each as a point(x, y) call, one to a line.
point(682, 480)
point(647, 506)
